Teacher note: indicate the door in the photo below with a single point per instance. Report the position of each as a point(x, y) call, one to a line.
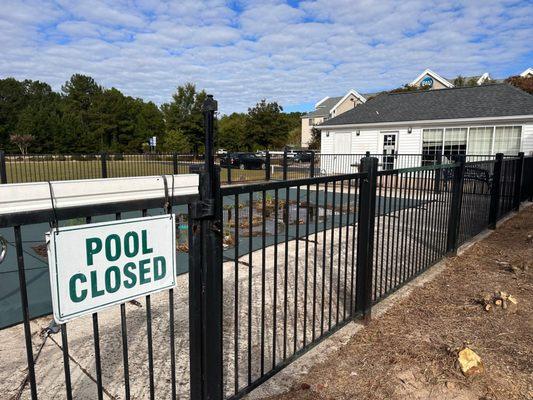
point(343, 148)
point(389, 150)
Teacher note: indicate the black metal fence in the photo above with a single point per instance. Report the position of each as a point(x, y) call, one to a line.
point(48, 167)
point(273, 269)
point(328, 164)
point(275, 166)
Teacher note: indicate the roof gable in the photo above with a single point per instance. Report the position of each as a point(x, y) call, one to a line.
point(434, 75)
point(352, 92)
point(527, 72)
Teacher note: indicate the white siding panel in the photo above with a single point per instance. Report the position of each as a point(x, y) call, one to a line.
point(527, 138)
point(327, 143)
point(410, 143)
point(366, 141)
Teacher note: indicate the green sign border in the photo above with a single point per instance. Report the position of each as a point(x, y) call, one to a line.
point(56, 232)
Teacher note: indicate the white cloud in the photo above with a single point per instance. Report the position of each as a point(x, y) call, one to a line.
point(243, 51)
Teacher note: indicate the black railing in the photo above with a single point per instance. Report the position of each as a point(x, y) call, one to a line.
point(270, 270)
point(273, 166)
point(290, 274)
point(48, 167)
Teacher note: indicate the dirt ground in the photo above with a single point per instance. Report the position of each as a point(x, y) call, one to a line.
point(411, 351)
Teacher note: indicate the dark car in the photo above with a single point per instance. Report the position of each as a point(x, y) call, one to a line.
point(242, 161)
point(303, 157)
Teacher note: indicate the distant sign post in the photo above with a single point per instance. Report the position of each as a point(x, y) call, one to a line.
point(152, 142)
point(97, 265)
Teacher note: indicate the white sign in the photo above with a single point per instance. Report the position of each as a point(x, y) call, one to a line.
point(97, 265)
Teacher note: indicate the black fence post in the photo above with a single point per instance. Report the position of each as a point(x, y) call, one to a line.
point(438, 172)
point(312, 167)
point(365, 236)
point(285, 164)
point(267, 166)
point(175, 163)
point(454, 219)
point(103, 160)
point(229, 174)
point(205, 274)
point(518, 181)
point(3, 169)
point(495, 191)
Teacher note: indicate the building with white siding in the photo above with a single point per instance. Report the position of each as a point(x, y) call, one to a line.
point(478, 120)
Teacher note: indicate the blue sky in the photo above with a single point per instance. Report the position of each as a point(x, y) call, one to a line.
point(293, 52)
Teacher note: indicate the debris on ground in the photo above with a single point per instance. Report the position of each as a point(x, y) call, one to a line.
point(499, 300)
point(470, 363)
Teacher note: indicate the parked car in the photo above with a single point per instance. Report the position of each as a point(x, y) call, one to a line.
point(242, 161)
point(303, 157)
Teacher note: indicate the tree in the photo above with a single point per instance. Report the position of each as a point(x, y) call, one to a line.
point(294, 137)
point(184, 112)
point(459, 81)
point(523, 82)
point(314, 144)
point(41, 117)
point(176, 141)
point(113, 118)
point(266, 126)
point(409, 88)
point(13, 100)
point(149, 122)
point(22, 142)
point(231, 131)
point(80, 93)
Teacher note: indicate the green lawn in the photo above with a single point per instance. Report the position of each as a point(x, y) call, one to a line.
point(53, 170)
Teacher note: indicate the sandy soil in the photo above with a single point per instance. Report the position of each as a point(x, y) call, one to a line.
point(411, 351)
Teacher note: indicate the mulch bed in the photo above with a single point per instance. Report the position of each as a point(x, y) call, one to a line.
point(411, 351)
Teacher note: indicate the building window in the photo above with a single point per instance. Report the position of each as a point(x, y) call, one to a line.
point(454, 141)
point(507, 139)
point(310, 121)
point(431, 145)
point(480, 141)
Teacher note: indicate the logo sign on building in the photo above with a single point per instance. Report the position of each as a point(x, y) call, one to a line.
point(97, 265)
point(427, 82)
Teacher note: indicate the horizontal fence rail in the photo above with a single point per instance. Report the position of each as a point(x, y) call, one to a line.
point(267, 269)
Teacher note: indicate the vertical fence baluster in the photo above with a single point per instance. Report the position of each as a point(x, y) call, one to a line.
point(25, 311)
point(455, 210)
point(236, 299)
point(495, 191)
point(306, 263)
point(285, 164)
point(66, 360)
point(3, 167)
point(250, 283)
point(315, 254)
point(263, 278)
point(331, 252)
point(324, 239)
point(267, 166)
point(286, 219)
point(518, 181)
point(275, 283)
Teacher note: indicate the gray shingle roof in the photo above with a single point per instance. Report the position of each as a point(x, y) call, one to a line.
point(486, 101)
point(324, 108)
